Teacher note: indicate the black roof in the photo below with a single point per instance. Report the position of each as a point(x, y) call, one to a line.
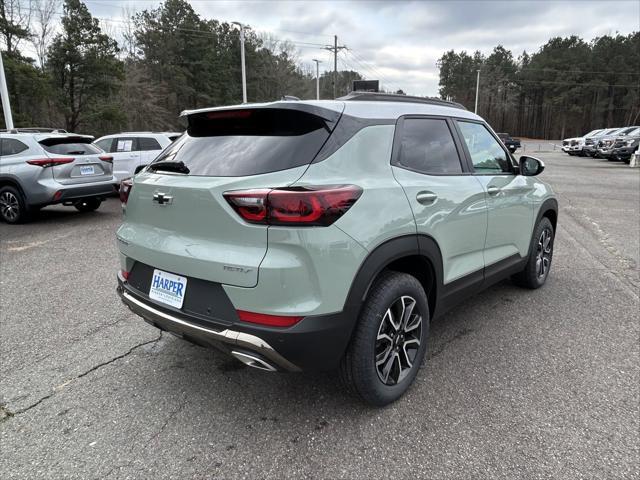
point(395, 97)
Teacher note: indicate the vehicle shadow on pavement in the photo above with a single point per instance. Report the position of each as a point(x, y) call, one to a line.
point(210, 375)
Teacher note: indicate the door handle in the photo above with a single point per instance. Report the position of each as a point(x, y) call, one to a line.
point(425, 198)
point(491, 190)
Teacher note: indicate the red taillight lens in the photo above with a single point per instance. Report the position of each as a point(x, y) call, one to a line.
point(250, 204)
point(125, 189)
point(50, 162)
point(270, 320)
point(106, 158)
point(302, 206)
point(124, 274)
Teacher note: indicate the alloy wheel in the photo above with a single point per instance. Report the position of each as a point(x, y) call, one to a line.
point(543, 255)
point(398, 340)
point(9, 206)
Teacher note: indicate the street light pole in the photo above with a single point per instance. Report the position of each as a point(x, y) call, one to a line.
point(477, 91)
point(318, 62)
point(244, 71)
point(4, 96)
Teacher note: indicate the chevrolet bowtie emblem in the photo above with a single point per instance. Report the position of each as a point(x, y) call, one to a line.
point(162, 199)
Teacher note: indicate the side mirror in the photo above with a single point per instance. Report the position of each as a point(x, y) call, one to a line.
point(530, 166)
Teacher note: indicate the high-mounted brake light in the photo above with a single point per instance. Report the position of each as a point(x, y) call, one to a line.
point(229, 114)
point(106, 158)
point(294, 206)
point(50, 162)
point(125, 189)
point(270, 320)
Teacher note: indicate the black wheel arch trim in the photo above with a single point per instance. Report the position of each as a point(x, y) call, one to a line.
point(549, 205)
point(12, 181)
point(384, 255)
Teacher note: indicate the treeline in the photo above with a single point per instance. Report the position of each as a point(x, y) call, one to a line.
point(565, 89)
point(165, 60)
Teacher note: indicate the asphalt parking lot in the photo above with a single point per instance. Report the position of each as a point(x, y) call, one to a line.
point(518, 384)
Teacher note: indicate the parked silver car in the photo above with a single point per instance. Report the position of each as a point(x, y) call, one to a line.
point(43, 168)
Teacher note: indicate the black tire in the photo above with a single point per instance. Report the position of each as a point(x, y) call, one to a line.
point(531, 276)
point(13, 207)
point(358, 369)
point(88, 204)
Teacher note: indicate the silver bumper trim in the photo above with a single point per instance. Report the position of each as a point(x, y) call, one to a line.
point(229, 337)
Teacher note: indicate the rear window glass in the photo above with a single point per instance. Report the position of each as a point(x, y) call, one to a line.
point(69, 146)
point(236, 143)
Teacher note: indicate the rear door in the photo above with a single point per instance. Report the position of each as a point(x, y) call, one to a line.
point(126, 157)
point(447, 202)
point(193, 231)
point(88, 163)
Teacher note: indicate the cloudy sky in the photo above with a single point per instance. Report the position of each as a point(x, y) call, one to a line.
point(400, 42)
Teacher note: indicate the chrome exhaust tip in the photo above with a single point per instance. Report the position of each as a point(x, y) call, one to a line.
point(253, 361)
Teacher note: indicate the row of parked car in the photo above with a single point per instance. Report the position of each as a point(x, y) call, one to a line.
point(610, 143)
point(44, 166)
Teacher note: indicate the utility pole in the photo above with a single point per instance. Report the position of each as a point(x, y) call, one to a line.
point(4, 95)
point(318, 62)
point(244, 70)
point(477, 91)
point(335, 49)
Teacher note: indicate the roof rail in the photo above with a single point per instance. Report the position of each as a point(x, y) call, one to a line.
point(395, 97)
point(34, 130)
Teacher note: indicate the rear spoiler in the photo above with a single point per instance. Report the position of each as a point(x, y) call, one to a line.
point(330, 113)
point(70, 138)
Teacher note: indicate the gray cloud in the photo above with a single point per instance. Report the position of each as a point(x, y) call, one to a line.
point(401, 41)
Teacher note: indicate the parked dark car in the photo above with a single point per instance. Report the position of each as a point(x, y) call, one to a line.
point(511, 143)
point(591, 143)
point(606, 144)
point(624, 147)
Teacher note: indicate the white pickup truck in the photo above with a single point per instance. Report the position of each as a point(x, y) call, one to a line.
point(575, 146)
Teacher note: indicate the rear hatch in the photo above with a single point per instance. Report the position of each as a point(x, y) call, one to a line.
point(177, 219)
point(79, 161)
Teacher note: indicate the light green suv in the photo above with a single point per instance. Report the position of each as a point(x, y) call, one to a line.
point(320, 235)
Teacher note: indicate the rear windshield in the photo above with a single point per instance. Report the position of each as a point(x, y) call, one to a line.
point(233, 143)
point(69, 146)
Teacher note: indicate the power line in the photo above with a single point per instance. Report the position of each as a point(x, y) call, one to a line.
point(375, 73)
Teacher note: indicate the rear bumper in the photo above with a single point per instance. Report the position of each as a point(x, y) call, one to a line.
point(44, 192)
point(316, 343)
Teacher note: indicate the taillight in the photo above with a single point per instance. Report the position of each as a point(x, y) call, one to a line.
point(270, 320)
point(124, 274)
point(125, 189)
point(106, 158)
point(294, 206)
point(50, 162)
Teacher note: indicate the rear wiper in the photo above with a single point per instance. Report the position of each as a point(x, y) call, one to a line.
point(168, 166)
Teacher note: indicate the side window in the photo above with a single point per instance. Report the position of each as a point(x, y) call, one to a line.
point(125, 145)
point(11, 146)
point(105, 144)
point(145, 143)
point(427, 146)
point(486, 153)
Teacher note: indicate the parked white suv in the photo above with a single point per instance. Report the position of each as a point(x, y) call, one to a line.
point(132, 151)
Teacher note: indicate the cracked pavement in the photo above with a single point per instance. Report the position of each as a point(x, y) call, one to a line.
point(518, 384)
